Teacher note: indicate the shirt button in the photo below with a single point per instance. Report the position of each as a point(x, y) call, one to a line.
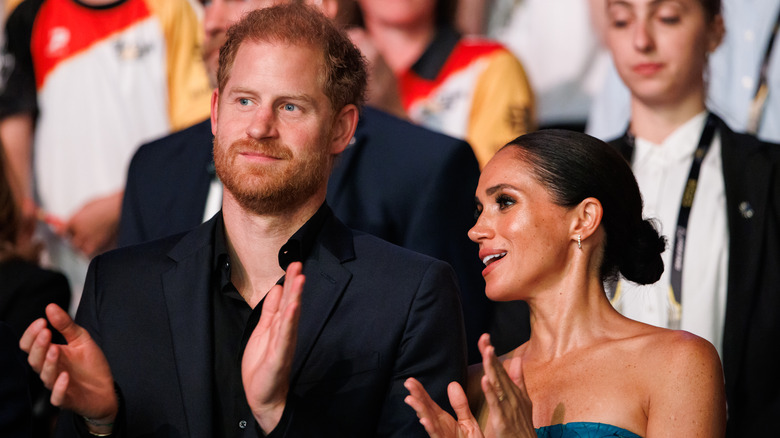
point(747, 82)
point(749, 36)
point(242, 424)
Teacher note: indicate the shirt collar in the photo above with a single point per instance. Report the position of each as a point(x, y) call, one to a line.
point(436, 54)
point(297, 247)
point(677, 146)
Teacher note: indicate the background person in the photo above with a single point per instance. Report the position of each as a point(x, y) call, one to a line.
point(734, 77)
point(716, 195)
point(469, 88)
point(86, 83)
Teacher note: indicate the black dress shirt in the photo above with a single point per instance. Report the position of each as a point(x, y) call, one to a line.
point(234, 320)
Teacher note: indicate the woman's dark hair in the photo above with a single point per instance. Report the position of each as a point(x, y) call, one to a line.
point(712, 8)
point(573, 166)
point(9, 212)
point(445, 12)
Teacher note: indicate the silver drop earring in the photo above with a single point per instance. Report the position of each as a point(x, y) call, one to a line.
point(579, 241)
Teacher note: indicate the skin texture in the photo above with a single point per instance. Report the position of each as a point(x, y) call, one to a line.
point(584, 361)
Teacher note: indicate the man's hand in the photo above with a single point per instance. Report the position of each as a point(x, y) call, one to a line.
point(93, 229)
point(267, 361)
point(77, 373)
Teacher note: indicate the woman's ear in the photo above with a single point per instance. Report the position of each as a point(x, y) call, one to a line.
point(716, 34)
point(587, 218)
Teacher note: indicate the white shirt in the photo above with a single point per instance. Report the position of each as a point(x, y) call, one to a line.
point(662, 172)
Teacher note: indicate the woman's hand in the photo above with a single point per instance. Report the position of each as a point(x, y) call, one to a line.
point(510, 407)
point(437, 422)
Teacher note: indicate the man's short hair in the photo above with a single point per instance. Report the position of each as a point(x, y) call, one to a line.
point(344, 76)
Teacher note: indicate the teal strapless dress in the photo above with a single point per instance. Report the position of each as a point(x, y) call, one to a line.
point(584, 430)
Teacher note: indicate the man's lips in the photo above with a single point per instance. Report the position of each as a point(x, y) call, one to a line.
point(258, 156)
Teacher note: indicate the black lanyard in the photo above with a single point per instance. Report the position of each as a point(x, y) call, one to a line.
point(678, 249)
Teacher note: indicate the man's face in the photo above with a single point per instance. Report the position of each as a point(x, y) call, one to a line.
point(218, 16)
point(272, 125)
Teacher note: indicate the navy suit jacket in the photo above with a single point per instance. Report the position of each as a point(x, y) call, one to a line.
point(751, 338)
point(372, 315)
point(398, 181)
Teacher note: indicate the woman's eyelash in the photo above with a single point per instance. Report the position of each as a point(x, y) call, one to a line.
point(504, 201)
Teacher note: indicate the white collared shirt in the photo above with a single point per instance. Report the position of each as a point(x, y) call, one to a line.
point(662, 172)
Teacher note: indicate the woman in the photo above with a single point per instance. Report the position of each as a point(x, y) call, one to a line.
point(721, 278)
point(466, 87)
point(560, 213)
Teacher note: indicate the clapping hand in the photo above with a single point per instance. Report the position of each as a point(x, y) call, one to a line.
point(77, 373)
point(267, 360)
point(510, 408)
point(436, 421)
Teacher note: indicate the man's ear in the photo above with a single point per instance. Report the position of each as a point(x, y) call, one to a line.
point(214, 110)
point(344, 125)
point(587, 218)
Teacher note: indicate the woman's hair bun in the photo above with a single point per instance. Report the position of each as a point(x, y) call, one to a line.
point(641, 261)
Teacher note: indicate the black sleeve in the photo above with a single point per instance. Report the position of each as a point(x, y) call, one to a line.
point(17, 75)
point(16, 411)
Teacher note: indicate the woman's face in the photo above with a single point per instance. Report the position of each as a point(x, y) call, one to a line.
point(399, 13)
point(660, 47)
point(523, 236)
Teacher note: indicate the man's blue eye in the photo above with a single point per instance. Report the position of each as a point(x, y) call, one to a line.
point(289, 107)
point(243, 102)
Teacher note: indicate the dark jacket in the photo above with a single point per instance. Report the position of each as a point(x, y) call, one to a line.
point(751, 339)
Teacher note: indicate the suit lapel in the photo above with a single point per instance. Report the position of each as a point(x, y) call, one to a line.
point(186, 290)
point(326, 281)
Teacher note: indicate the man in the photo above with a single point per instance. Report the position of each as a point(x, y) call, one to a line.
point(403, 183)
point(177, 319)
point(83, 83)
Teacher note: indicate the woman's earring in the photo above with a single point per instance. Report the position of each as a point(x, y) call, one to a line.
point(579, 241)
